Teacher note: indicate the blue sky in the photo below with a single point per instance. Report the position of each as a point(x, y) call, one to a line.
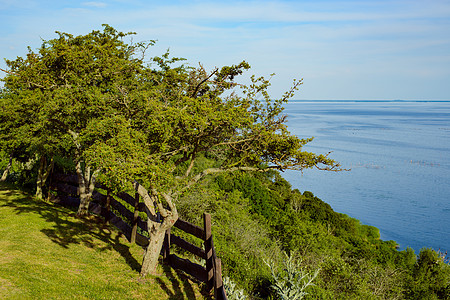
point(354, 50)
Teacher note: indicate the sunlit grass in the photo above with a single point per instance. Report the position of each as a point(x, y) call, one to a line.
point(47, 253)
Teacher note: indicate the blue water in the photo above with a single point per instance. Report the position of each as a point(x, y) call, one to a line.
point(399, 156)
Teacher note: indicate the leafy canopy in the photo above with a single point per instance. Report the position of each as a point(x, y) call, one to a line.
point(99, 98)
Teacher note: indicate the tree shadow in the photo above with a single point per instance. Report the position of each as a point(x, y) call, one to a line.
point(178, 292)
point(66, 228)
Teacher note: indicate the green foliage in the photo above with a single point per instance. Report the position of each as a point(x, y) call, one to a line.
point(354, 263)
point(94, 98)
point(3, 160)
point(64, 165)
point(23, 174)
point(251, 188)
point(430, 276)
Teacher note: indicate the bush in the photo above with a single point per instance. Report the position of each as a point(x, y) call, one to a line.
point(430, 277)
point(292, 281)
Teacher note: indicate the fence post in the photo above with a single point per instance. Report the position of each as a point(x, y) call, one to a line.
point(218, 284)
point(166, 246)
point(108, 206)
point(208, 251)
point(135, 218)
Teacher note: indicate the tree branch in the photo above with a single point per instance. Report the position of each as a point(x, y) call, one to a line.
point(148, 201)
point(191, 165)
point(174, 152)
point(203, 81)
point(6, 71)
point(75, 136)
point(151, 202)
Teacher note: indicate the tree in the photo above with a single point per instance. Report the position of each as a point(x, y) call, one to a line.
point(51, 95)
point(20, 134)
point(146, 126)
point(188, 114)
point(430, 276)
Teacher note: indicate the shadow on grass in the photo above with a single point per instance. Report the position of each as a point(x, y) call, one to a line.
point(65, 228)
point(178, 292)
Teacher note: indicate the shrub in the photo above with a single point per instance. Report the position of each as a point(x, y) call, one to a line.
point(292, 281)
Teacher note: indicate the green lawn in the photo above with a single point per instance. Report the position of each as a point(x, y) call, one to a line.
point(47, 253)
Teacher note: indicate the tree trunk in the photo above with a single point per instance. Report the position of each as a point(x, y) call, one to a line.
point(8, 167)
point(155, 242)
point(156, 230)
point(151, 254)
point(86, 186)
point(86, 182)
point(43, 173)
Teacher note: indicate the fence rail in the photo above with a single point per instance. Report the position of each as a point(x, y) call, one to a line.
point(128, 221)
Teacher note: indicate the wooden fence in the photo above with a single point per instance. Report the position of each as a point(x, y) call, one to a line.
point(124, 214)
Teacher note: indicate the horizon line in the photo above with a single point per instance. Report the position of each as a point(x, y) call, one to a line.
point(367, 100)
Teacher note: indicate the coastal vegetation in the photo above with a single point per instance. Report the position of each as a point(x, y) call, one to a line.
point(188, 141)
point(348, 259)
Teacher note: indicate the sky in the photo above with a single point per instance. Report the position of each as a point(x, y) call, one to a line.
point(343, 50)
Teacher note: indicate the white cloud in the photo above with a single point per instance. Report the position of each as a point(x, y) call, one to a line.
point(284, 12)
point(94, 4)
point(13, 4)
point(336, 46)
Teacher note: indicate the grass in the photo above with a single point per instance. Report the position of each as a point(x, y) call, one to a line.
point(48, 253)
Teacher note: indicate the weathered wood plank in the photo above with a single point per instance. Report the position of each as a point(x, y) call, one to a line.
point(64, 200)
point(209, 249)
point(127, 198)
point(190, 228)
point(108, 206)
point(67, 178)
point(135, 218)
point(166, 245)
point(187, 246)
point(221, 294)
point(141, 206)
point(65, 188)
point(122, 210)
point(188, 267)
point(95, 208)
point(142, 224)
point(141, 240)
point(121, 225)
point(219, 290)
point(126, 230)
point(101, 186)
point(99, 197)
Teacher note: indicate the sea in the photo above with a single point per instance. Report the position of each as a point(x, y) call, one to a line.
point(398, 156)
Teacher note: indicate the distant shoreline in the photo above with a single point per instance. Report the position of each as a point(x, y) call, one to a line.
point(398, 101)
